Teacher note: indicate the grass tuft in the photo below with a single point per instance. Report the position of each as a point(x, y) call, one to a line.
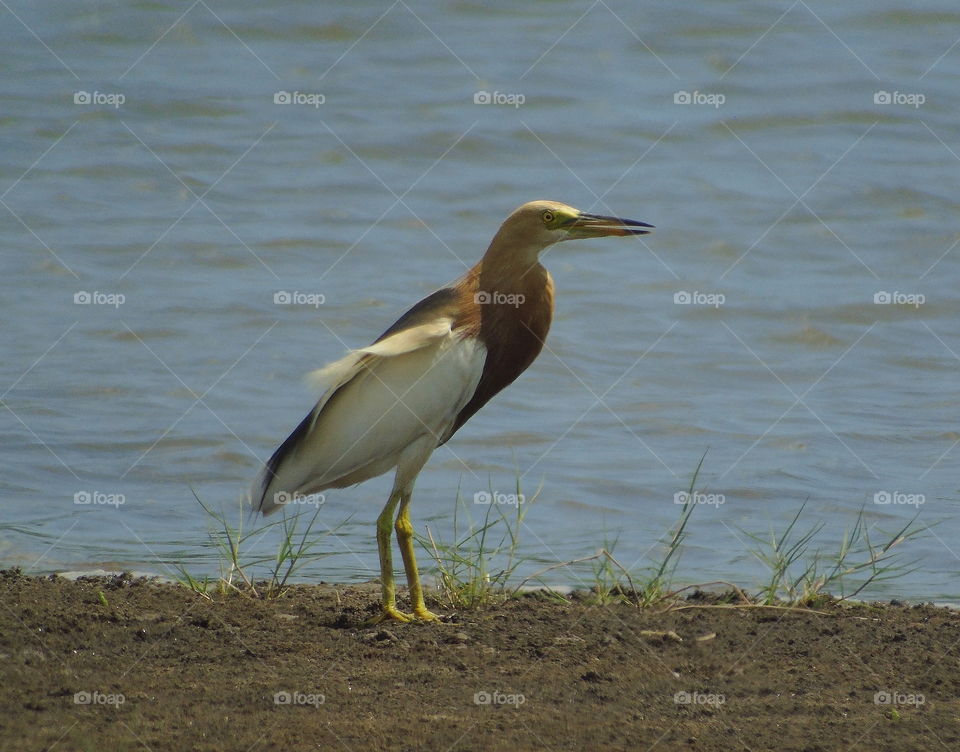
point(614, 583)
point(293, 552)
point(475, 568)
point(803, 575)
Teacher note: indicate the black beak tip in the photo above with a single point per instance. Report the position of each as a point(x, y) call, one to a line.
point(635, 223)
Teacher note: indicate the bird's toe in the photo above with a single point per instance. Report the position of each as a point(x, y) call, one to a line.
point(391, 613)
point(423, 614)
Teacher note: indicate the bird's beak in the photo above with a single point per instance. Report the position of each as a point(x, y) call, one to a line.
point(599, 226)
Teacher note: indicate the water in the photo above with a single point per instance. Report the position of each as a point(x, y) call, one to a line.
point(797, 198)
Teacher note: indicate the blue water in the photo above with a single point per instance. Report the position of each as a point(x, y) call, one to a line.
point(787, 194)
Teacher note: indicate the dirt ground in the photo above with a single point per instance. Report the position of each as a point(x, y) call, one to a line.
point(130, 664)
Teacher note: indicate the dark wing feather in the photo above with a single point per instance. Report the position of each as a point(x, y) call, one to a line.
point(426, 309)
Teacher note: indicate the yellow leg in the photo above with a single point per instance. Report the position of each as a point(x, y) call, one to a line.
point(384, 532)
point(405, 541)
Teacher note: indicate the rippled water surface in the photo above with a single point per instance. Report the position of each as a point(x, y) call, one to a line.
point(800, 163)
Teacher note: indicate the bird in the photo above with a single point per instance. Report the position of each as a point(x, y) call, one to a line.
point(391, 404)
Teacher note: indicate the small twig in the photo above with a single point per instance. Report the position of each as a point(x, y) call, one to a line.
point(550, 568)
point(618, 565)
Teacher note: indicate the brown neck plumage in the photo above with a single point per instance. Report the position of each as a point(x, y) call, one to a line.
point(508, 299)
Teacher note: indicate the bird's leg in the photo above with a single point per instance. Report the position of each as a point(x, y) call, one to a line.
point(405, 541)
point(384, 533)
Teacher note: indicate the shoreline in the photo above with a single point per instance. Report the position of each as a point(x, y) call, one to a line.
point(564, 590)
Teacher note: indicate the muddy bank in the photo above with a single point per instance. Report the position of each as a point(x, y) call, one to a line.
point(120, 663)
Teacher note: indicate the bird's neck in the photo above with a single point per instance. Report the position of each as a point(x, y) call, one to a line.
point(508, 267)
point(513, 300)
point(514, 280)
point(508, 306)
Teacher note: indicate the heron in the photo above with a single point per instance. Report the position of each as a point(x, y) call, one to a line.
point(391, 404)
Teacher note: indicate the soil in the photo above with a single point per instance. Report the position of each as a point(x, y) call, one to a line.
point(131, 664)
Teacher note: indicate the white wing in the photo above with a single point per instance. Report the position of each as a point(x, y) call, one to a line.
point(378, 400)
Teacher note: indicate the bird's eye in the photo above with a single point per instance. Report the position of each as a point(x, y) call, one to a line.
point(547, 217)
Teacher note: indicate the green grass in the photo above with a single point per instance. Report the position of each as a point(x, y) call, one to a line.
point(477, 568)
point(294, 550)
point(468, 577)
point(802, 574)
point(611, 582)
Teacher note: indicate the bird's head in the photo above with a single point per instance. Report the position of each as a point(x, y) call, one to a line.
point(538, 224)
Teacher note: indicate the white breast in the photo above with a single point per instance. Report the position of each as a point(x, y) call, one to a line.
point(381, 400)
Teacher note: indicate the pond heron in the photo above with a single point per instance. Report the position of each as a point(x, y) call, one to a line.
point(389, 405)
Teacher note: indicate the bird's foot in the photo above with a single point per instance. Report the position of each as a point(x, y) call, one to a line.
point(424, 614)
point(390, 613)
